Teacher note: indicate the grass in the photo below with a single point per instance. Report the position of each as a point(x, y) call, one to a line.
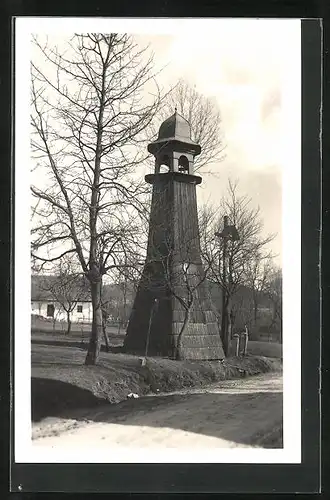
point(40, 325)
point(43, 333)
point(61, 382)
point(267, 349)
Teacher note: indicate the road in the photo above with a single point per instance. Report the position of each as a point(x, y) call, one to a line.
point(228, 414)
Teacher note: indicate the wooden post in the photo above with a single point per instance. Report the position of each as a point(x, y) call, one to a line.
point(236, 344)
point(153, 307)
point(245, 338)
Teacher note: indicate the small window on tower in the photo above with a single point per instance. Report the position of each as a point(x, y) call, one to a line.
point(80, 309)
point(183, 164)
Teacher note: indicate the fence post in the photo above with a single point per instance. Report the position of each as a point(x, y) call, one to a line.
point(245, 338)
point(236, 344)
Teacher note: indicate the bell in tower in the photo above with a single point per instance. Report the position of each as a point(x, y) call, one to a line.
point(159, 311)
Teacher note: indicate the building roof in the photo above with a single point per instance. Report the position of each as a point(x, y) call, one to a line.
point(77, 288)
point(175, 129)
point(48, 288)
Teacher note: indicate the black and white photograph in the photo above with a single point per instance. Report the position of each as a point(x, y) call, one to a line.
point(157, 229)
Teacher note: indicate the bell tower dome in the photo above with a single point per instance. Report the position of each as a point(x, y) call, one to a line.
point(174, 147)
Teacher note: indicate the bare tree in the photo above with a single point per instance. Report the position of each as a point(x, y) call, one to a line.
point(257, 278)
point(67, 288)
point(90, 113)
point(241, 310)
point(107, 308)
point(275, 294)
point(242, 253)
point(204, 118)
point(184, 281)
point(116, 301)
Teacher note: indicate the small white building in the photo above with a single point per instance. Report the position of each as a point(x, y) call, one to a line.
point(82, 311)
point(44, 302)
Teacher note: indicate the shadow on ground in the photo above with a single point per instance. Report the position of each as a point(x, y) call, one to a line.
point(253, 418)
point(55, 398)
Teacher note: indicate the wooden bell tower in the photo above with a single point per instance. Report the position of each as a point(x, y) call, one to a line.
point(173, 241)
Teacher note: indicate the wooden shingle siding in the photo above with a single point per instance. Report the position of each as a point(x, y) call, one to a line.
point(173, 231)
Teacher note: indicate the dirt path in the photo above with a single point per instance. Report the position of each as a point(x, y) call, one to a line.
point(235, 413)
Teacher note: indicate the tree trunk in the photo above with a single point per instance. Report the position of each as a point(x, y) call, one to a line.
point(225, 330)
point(255, 311)
point(54, 321)
point(230, 325)
point(94, 346)
point(105, 335)
point(68, 319)
point(179, 350)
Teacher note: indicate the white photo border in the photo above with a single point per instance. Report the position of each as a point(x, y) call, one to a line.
point(24, 452)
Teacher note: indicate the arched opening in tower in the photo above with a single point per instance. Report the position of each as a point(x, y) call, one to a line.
point(164, 165)
point(183, 164)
